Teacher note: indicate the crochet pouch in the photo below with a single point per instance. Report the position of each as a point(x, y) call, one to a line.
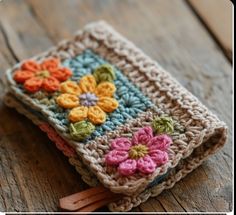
point(126, 125)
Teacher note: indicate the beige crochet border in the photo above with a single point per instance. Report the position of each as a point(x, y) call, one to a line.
point(126, 203)
point(201, 125)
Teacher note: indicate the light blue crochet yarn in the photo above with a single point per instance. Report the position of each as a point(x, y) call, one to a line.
point(131, 100)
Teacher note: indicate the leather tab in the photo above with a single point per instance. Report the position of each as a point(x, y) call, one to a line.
point(88, 200)
point(96, 205)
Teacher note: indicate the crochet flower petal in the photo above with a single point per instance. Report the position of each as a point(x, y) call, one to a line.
point(115, 157)
point(87, 84)
point(122, 144)
point(146, 165)
point(143, 135)
point(33, 84)
point(70, 87)
point(161, 142)
point(50, 64)
point(159, 157)
point(96, 115)
point(50, 84)
point(106, 89)
point(67, 100)
point(78, 114)
point(61, 74)
point(30, 65)
point(81, 130)
point(163, 124)
point(104, 72)
point(107, 104)
point(21, 76)
point(127, 167)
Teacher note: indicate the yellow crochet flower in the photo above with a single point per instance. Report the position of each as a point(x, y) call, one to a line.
point(87, 99)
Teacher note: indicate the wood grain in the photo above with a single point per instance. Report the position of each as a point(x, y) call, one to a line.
point(217, 15)
point(34, 175)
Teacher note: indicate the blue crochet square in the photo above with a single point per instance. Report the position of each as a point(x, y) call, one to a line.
point(130, 98)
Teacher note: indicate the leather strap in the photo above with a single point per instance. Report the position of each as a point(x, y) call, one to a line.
point(88, 200)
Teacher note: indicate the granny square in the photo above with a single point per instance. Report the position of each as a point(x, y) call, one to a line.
point(130, 98)
point(129, 128)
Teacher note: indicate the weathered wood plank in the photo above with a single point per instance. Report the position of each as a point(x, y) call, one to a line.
point(217, 15)
point(23, 34)
point(168, 32)
point(152, 205)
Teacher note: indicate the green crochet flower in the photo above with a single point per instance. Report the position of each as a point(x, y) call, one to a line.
point(104, 72)
point(163, 124)
point(81, 130)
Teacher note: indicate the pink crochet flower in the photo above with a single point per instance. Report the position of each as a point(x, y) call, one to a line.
point(144, 153)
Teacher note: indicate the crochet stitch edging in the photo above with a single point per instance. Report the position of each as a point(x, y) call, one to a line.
point(195, 116)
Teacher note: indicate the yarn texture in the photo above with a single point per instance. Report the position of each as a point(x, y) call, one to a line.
point(151, 132)
point(88, 100)
point(46, 76)
point(118, 101)
point(81, 130)
point(143, 153)
point(163, 125)
point(104, 72)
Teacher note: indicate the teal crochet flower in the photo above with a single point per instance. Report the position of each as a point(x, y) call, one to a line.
point(163, 124)
point(81, 130)
point(104, 72)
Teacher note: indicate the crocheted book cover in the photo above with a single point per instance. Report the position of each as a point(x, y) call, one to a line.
point(116, 114)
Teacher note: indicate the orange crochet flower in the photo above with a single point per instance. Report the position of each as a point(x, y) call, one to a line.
point(46, 76)
point(87, 100)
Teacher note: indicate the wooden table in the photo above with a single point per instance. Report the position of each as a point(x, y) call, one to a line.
point(34, 174)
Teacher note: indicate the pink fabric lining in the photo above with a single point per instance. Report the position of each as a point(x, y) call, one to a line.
point(61, 144)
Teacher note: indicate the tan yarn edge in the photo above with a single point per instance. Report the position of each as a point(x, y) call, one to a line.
point(126, 203)
point(86, 175)
point(146, 68)
point(113, 41)
point(188, 165)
